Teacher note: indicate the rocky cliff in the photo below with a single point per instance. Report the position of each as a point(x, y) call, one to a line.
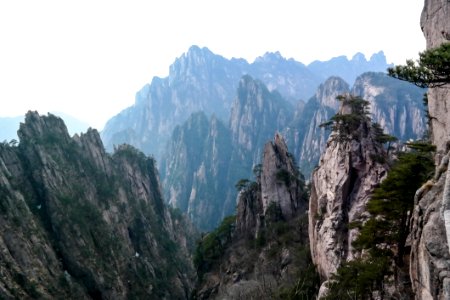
point(79, 223)
point(435, 23)
point(255, 115)
point(349, 169)
point(196, 169)
point(430, 256)
point(264, 254)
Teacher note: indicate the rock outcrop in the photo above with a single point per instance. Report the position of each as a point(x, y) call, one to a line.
point(348, 171)
point(430, 256)
point(430, 233)
point(280, 180)
point(79, 223)
point(267, 254)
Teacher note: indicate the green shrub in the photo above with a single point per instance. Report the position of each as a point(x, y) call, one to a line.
point(212, 246)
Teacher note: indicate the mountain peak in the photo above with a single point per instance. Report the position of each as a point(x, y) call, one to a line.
point(359, 57)
point(48, 127)
point(198, 51)
point(378, 58)
point(328, 91)
point(270, 56)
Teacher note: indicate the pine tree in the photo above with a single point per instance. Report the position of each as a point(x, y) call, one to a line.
point(432, 69)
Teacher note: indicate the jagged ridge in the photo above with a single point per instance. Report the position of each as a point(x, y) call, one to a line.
point(79, 223)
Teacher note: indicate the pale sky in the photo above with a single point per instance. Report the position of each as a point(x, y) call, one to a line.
point(89, 58)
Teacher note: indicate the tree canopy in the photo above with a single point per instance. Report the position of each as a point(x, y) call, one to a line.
point(345, 125)
point(432, 69)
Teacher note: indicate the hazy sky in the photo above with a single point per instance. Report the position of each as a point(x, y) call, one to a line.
point(89, 58)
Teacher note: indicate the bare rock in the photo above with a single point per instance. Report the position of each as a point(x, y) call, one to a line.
point(279, 179)
point(430, 256)
point(430, 229)
point(435, 23)
point(341, 186)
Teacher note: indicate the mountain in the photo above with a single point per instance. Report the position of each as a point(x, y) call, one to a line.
point(262, 252)
point(10, 125)
point(200, 80)
point(349, 69)
point(290, 78)
point(79, 223)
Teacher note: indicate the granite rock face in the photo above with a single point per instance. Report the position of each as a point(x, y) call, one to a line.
point(196, 169)
point(430, 256)
point(256, 115)
point(341, 186)
point(79, 223)
point(430, 232)
point(435, 23)
point(279, 185)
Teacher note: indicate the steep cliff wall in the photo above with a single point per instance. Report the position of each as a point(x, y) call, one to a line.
point(435, 23)
point(195, 170)
point(348, 171)
point(430, 256)
point(79, 223)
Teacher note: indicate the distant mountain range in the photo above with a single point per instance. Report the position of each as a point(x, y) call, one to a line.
point(200, 80)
